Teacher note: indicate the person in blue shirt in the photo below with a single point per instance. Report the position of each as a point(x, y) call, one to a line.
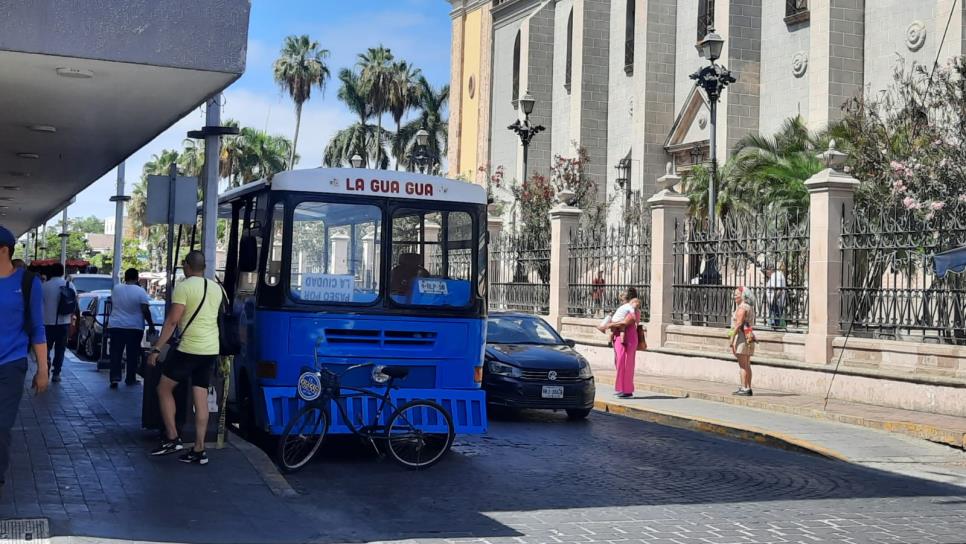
point(17, 333)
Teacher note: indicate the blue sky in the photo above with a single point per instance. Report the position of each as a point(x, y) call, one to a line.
point(415, 30)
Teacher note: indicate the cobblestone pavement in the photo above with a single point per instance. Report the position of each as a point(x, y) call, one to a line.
point(540, 479)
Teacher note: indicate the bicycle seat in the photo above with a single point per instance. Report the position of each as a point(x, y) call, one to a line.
point(396, 372)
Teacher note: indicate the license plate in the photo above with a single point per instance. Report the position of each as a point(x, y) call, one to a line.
point(552, 392)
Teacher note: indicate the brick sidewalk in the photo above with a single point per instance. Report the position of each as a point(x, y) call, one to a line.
point(943, 429)
point(81, 459)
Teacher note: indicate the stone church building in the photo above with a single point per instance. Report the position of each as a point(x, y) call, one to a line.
point(613, 75)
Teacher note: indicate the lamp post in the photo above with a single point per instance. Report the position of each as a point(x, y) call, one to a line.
point(422, 156)
point(713, 79)
point(356, 161)
point(524, 129)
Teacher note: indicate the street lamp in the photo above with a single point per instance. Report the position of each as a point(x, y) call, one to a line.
point(422, 156)
point(713, 79)
point(356, 161)
point(524, 129)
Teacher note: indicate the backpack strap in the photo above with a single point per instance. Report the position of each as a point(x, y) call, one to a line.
point(26, 287)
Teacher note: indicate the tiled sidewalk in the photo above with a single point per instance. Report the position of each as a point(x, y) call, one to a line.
point(81, 459)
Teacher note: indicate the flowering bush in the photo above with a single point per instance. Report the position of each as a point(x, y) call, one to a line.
point(907, 144)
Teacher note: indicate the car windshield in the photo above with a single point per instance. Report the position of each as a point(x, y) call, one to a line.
point(85, 284)
point(520, 330)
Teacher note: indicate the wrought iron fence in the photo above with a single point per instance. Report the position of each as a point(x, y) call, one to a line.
point(603, 263)
point(767, 254)
point(794, 7)
point(519, 272)
point(889, 289)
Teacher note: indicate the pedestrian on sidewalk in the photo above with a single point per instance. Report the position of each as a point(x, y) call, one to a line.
point(194, 311)
point(624, 325)
point(21, 325)
point(129, 312)
point(742, 338)
point(60, 303)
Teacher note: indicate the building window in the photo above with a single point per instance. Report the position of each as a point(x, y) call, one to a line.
point(629, 37)
point(705, 17)
point(568, 72)
point(796, 11)
point(516, 71)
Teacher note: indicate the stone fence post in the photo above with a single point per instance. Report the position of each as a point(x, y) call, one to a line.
point(494, 227)
point(667, 206)
point(830, 192)
point(563, 219)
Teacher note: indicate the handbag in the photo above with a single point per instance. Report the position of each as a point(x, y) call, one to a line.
point(641, 342)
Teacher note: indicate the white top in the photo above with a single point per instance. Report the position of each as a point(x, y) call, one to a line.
point(621, 314)
point(380, 183)
point(126, 301)
point(775, 283)
point(51, 293)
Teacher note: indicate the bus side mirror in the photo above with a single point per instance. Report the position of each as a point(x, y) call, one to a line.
point(247, 254)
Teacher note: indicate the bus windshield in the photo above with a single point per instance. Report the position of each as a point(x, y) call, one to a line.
point(432, 258)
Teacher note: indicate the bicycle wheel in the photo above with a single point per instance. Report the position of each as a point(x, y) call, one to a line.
point(302, 437)
point(419, 433)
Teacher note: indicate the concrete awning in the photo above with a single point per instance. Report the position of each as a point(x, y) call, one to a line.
point(86, 84)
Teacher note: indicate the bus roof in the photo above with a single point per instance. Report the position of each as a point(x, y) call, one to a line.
point(358, 181)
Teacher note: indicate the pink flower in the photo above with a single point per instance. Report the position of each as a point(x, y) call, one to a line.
point(930, 215)
point(962, 198)
point(897, 166)
point(937, 205)
point(898, 186)
point(911, 203)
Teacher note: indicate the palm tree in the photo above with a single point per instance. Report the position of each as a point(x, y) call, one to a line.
point(359, 138)
point(403, 95)
point(300, 66)
point(260, 155)
point(159, 165)
point(432, 105)
point(377, 77)
point(230, 150)
point(191, 160)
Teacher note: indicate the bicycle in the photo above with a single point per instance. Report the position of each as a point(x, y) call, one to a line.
point(417, 434)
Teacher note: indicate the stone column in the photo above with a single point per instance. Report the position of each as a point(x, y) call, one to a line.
point(563, 219)
point(494, 227)
point(667, 207)
point(830, 192)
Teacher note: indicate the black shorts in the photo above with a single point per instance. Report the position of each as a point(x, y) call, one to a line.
point(181, 366)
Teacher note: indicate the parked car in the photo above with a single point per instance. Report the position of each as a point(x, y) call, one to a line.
point(83, 301)
point(156, 307)
point(86, 283)
point(93, 324)
point(528, 365)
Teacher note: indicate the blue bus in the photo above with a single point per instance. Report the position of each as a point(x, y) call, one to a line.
point(356, 266)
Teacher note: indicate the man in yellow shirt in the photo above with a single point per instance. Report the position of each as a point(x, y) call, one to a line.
point(194, 312)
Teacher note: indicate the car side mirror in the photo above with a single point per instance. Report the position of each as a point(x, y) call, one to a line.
point(247, 253)
point(570, 342)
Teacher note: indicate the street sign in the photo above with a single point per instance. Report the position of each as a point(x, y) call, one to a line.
point(185, 200)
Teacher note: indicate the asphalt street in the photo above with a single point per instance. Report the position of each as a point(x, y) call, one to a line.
point(538, 478)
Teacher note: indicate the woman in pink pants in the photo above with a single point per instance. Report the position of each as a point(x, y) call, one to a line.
point(625, 348)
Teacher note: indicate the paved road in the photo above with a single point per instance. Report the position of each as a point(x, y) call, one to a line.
point(541, 479)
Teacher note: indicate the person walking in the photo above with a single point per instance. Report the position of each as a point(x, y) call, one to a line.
point(624, 324)
point(194, 311)
point(60, 303)
point(21, 326)
point(775, 292)
point(129, 312)
point(742, 338)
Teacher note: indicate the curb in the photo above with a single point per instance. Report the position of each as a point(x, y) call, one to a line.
point(265, 467)
point(745, 433)
point(915, 430)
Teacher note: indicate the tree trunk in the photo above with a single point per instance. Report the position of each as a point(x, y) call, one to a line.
point(402, 148)
point(295, 140)
point(379, 141)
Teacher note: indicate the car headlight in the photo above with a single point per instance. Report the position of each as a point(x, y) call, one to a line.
point(502, 369)
point(585, 371)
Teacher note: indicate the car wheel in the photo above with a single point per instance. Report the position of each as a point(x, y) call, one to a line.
point(575, 414)
point(89, 347)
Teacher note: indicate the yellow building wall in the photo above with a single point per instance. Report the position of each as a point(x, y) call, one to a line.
point(470, 103)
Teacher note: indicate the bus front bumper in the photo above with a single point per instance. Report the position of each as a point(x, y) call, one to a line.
point(466, 406)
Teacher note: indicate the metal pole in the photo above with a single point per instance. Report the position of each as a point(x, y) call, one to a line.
point(526, 147)
point(118, 225)
point(172, 179)
point(713, 182)
point(36, 245)
point(63, 239)
point(210, 195)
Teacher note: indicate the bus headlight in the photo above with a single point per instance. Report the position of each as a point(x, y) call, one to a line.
point(501, 369)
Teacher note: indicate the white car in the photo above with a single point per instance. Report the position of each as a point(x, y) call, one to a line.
point(85, 283)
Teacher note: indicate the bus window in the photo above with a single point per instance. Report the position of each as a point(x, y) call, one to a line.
point(335, 253)
point(432, 258)
point(273, 269)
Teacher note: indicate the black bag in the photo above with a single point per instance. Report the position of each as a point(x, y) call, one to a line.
point(67, 301)
point(229, 338)
point(26, 288)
